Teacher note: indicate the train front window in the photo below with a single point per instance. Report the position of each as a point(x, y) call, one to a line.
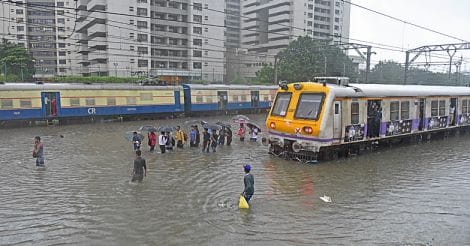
point(309, 106)
point(281, 104)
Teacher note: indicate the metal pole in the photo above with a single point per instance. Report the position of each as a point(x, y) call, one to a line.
point(407, 64)
point(325, 66)
point(369, 53)
point(5, 72)
point(275, 69)
point(22, 75)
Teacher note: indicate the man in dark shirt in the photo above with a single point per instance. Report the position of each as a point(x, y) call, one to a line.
point(140, 168)
point(206, 137)
point(249, 181)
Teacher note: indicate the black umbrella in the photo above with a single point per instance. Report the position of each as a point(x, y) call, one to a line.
point(148, 129)
point(195, 122)
point(223, 124)
point(252, 125)
point(165, 129)
point(240, 118)
point(130, 134)
point(212, 126)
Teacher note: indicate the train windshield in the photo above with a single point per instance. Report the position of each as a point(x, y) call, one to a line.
point(309, 106)
point(281, 104)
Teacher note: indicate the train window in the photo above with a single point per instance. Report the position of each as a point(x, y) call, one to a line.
point(131, 100)
point(281, 104)
point(354, 113)
point(25, 103)
point(266, 98)
point(309, 106)
point(7, 103)
point(442, 108)
point(209, 99)
point(336, 108)
point(146, 96)
point(464, 106)
point(89, 101)
point(199, 99)
point(235, 98)
point(74, 102)
point(434, 108)
point(405, 110)
point(111, 101)
point(243, 98)
point(394, 110)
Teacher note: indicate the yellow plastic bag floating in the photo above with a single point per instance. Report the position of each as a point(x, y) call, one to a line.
point(243, 203)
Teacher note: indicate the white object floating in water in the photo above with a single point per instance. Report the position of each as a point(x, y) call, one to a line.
point(325, 198)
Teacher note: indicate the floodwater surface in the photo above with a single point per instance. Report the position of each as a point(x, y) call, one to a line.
point(414, 194)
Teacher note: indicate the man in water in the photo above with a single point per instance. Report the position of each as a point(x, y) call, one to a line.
point(249, 182)
point(206, 137)
point(162, 142)
point(140, 168)
point(179, 137)
point(136, 141)
point(38, 151)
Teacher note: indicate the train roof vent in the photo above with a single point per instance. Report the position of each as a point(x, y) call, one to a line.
point(341, 81)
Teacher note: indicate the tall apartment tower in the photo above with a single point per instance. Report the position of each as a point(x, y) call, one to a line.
point(233, 53)
point(44, 28)
point(270, 25)
point(174, 40)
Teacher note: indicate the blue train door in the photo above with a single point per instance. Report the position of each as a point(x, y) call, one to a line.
point(50, 104)
point(222, 100)
point(254, 99)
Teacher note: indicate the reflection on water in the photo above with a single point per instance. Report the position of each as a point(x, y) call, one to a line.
point(405, 195)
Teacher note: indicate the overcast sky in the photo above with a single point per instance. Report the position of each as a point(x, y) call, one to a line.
point(450, 17)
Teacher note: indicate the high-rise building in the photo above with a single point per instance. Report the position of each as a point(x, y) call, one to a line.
point(232, 39)
point(268, 26)
point(170, 39)
point(44, 28)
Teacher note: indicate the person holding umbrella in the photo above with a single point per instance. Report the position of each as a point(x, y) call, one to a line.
point(241, 132)
point(214, 140)
point(136, 140)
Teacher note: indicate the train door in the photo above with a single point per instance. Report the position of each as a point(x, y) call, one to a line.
point(222, 99)
point(374, 118)
point(421, 116)
point(337, 129)
point(453, 111)
point(50, 104)
point(254, 99)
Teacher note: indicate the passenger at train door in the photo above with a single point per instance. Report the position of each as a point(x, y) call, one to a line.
point(136, 141)
point(162, 142)
point(241, 132)
point(377, 121)
point(206, 140)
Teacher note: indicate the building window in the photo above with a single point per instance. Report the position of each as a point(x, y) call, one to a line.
point(142, 24)
point(197, 30)
point(434, 108)
point(142, 37)
point(197, 42)
point(19, 11)
point(89, 101)
point(197, 53)
point(142, 50)
point(197, 18)
point(74, 102)
point(354, 113)
point(7, 103)
point(60, 4)
point(142, 12)
point(394, 110)
point(62, 62)
point(197, 6)
point(142, 63)
point(111, 101)
point(197, 65)
point(442, 107)
point(405, 110)
point(61, 21)
point(20, 28)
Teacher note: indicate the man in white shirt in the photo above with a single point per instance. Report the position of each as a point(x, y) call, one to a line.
point(162, 142)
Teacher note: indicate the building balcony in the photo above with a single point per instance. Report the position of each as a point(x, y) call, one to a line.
point(97, 56)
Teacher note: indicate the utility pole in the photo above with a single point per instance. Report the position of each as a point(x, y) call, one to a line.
point(369, 53)
point(5, 71)
point(451, 56)
point(407, 65)
point(324, 72)
point(275, 69)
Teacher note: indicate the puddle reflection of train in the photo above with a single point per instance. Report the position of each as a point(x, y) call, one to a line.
point(28, 102)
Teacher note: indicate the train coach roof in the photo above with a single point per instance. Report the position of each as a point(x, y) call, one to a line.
point(387, 90)
point(72, 86)
point(230, 87)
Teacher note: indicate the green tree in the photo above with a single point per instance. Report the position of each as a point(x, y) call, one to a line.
point(265, 75)
point(387, 72)
point(306, 58)
point(15, 60)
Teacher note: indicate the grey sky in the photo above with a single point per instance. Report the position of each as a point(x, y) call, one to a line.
point(451, 17)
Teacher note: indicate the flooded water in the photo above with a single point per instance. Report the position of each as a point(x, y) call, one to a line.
point(418, 194)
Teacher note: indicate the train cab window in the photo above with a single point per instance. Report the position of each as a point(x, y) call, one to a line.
point(434, 108)
point(405, 110)
point(442, 108)
point(25, 103)
point(89, 101)
point(309, 106)
point(146, 96)
point(7, 103)
point(131, 100)
point(464, 106)
point(111, 101)
point(354, 113)
point(74, 102)
point(394, 110)
point(199, 99)
point(281, 104)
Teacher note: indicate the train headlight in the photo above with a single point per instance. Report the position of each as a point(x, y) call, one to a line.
point(297, 86)
point(308, 129)
point(272, 125)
